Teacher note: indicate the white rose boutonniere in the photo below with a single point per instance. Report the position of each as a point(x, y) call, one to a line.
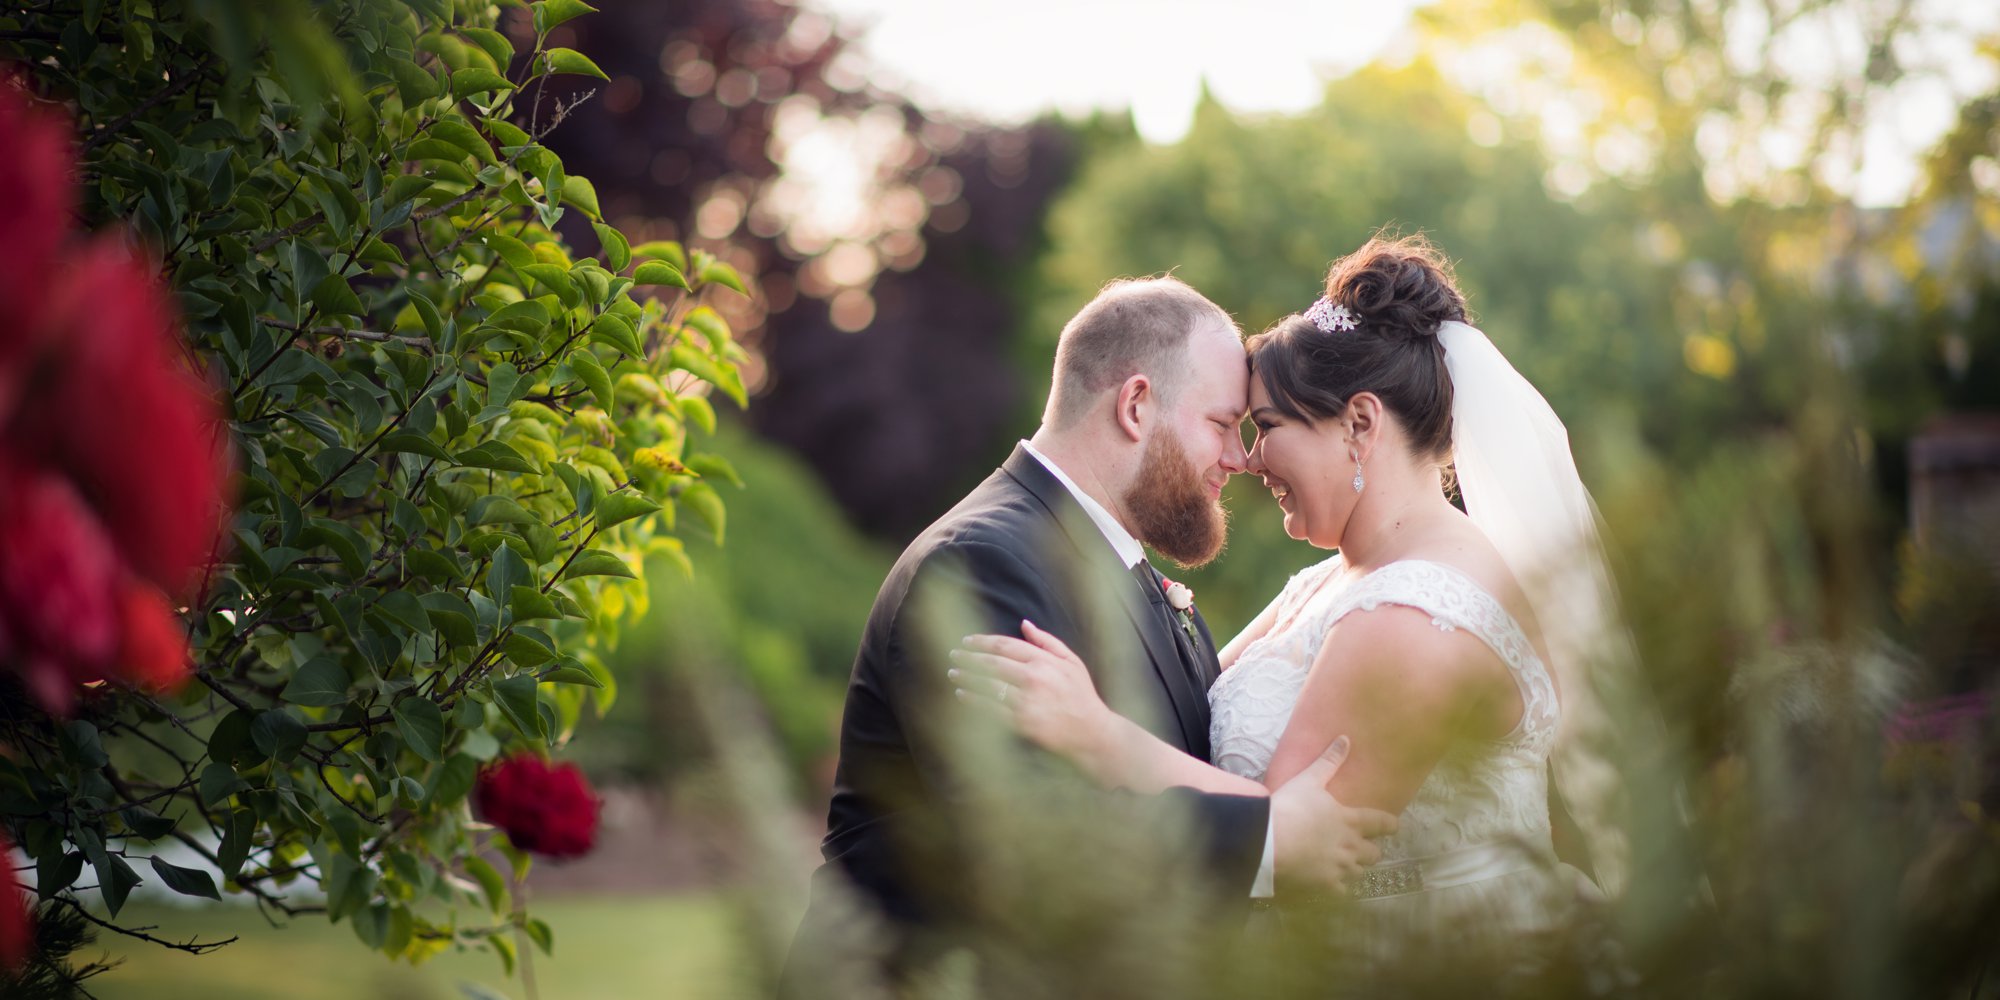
point(1181, 599)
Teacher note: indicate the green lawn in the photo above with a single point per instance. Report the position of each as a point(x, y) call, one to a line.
point(611, 947)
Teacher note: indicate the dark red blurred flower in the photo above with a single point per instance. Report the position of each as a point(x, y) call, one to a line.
point(58, 581)
point(17, 925)
point(544, 808)
point(152, 644)
point(114, 463)
point(41, 195)
point(121, 413)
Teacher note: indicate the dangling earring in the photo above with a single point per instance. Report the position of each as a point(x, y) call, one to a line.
point(1358, 481)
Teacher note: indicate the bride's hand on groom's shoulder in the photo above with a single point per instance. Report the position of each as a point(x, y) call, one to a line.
point(1317, 841)
point(1038, 686)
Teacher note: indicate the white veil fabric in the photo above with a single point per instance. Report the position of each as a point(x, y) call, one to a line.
point(1521, 488)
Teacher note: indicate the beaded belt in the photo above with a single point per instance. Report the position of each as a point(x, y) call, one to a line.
point(1399, 878)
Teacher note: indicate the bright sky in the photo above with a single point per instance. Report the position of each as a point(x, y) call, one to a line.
point(1007, 61)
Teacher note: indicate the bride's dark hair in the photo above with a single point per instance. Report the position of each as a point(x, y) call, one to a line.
point(1399, 289)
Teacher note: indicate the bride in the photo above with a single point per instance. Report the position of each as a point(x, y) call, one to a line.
point(1419, 638)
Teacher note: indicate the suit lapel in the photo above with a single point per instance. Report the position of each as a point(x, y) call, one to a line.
point(1155, 631)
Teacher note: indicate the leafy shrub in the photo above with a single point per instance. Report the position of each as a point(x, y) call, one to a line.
point(458, 438)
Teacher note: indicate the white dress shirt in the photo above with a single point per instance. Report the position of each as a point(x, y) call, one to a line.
point(1131, 555)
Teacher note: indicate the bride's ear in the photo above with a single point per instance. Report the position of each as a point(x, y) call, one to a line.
point(1364, 422)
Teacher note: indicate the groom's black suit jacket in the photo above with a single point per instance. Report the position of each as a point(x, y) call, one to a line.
point(1017, 547)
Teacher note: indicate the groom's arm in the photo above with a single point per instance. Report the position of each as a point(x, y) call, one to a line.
point(980, 587)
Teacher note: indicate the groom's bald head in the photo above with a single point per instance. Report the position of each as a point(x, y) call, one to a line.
point(1134, 326)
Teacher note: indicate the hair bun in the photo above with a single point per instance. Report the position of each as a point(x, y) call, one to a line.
point(1401, 288)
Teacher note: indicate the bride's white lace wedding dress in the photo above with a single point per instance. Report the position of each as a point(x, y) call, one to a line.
point(1473, 850)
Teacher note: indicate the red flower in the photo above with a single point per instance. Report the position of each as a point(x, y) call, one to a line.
point(114, 462)
point(152, 643)
point(544, 808)
point(17, 925)
point(58, 582)
point(41, 195)
point(118, 410)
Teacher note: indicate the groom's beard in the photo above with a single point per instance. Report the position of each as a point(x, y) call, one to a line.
point(1170, 506)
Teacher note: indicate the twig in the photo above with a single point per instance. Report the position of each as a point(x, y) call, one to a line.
point(191, 946)
point(104, 134)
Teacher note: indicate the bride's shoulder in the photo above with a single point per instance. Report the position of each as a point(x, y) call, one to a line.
point(1468, 554)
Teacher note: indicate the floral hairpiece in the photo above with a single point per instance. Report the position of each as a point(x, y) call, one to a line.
point(1332, 318)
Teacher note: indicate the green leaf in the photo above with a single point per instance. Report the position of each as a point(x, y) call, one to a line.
point(418, 444)
point(663, 250)
point(523, 651)
point(404, 188)
point(452, 780)
point(186, 881)
point(422, 725)
point(499, 510)
point(507, 571)
point(527, 315)
point(618, 508)
point(371, 924)
point(579, 192)
point(718, 273)
point(598, 562)
point(146, 824)
point(321, 683)
point(528, 603)
point(412, 82)
point(494, 43)
point(278, 735)
point(81, 744)
point(236, 841)
point(377, 252)
point(563, 60)
point(555, 279)
point(511, 250)
point(432, 565)
point(613, 332)
point(714, 467)
point(464, 137)
point(493, 885)
point(707, 369)
point(230, 736)
point(428, 312)
point(333, 297)
point(698, 411)
point(56, 871)
point(216, 784)
point(617, 252)
point(476, 80)
point(707, 505)
point(572, 675)
point(496, 455)
point(452, 617)
point(539, 932)
point(592, 374)
point(510, 135)
point(549, 13)
point(115, 880)
point(516, 697)
point(659, 272)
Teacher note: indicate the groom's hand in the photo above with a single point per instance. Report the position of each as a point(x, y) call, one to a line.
point(1318, 841)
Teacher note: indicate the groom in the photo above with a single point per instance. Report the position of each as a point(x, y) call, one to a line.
point(1140, 433)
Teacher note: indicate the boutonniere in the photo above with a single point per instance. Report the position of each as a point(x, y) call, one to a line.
point(1181, 599)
